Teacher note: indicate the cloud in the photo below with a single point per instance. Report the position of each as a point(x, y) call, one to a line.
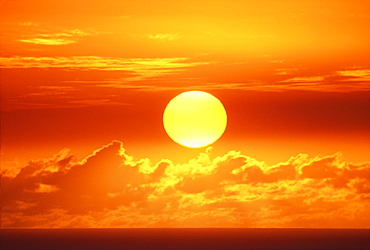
point(144, 74)
point(139, 65)
point(48, 41)
point(91, 102)
point(356, 75)
point(355, 79)
point(183, 73)
point(61, 38)
point(307, 79)
point(140, 73)
point(168, 37)
point(111, 189)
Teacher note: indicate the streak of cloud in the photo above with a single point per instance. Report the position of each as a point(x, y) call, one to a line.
point(62, 38)
point(168, 37)
point(337, 81)
point(96, 63)
point(48, 41)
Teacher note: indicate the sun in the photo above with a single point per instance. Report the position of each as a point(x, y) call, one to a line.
point(195, 119)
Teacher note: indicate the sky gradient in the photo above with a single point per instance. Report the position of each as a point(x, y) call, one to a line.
point(84, 85)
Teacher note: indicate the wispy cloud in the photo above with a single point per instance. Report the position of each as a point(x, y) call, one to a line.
point(51, 91)
point(156, 84)
point(72, 102)
point(154, 74)
point(97, 63)
point(304, 80)
point(137, 70)
point(337, 81)
point(356, 74)
point(138, 74)
point(168, 37)
point(51, 97)
point(61, 38)
point(48, 41)
point(92, 102)
point(111, 189)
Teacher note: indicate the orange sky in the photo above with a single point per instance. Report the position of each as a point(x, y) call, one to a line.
point(88, 79)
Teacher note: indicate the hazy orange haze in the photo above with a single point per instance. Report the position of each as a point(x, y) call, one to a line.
point(84, 85)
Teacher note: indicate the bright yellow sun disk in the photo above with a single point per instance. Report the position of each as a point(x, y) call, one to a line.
point(195, 119)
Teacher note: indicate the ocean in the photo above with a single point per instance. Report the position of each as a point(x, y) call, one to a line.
point(184, 238)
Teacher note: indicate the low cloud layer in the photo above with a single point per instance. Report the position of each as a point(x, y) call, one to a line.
point(111, 189)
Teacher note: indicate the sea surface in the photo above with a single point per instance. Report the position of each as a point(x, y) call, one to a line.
point(348, 239)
